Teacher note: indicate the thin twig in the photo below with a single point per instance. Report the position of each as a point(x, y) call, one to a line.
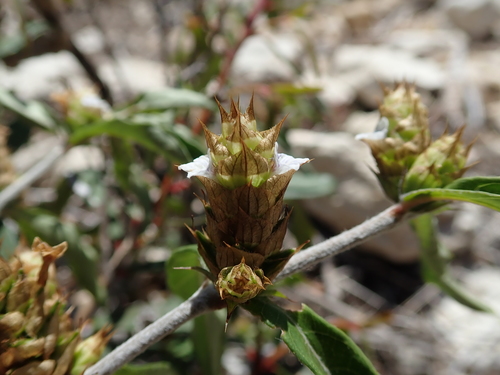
point(206, 299)
point(203, 300)
point(378, 224)
point(12, 191)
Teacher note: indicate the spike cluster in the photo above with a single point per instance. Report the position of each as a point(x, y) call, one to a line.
point(406, 157)
point(245, 180)
point(36, 331)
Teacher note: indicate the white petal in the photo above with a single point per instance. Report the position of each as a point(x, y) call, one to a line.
point(200, 166)
point(284, 163)
point(380, 132)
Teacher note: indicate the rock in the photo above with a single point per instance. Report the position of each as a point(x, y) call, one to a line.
point(477, 18)
point(80, 158)
point(423, 42)
point(471, 338)
point(264, 57)
point(361, 122)
point(385, 65)
point(358, 195)
point(40, 76)
point(89, 40)
point(138, 74)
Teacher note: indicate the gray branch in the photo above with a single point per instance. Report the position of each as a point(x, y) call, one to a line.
point(12, 191)
point(206, 298)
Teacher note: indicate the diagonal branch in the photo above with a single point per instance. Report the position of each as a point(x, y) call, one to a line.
point(206, 298)
point(15, 189)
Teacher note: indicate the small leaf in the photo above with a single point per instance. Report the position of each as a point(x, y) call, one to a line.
point(483, 198)
point(155, 368)
point(208, 333)
point(172, 98)
point(35, 112)
point(184, 282)
point(434, 260)
point(488, 184)
point(310, 185)
point(323, 348)
point(9, 239)
point(125, 130)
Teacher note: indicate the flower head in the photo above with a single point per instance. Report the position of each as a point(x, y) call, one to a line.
point(400, 136)
point(245, 180)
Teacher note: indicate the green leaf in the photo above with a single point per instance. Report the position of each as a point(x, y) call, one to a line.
point(208, 334)
point(209, 339)
point(172, 98)
point(483, 198)
point(434, 260)
point(323, 348)
point(33, 111)
point(9, 240)
point(310, 185)
point(124, 130)
point(184, 282)
point(486, 184)
point(156, 368)
point(10, 45)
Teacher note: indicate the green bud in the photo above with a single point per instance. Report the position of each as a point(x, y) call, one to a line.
point(240, 283)
point(439, 165)
point(89, 351)
point(401, 135)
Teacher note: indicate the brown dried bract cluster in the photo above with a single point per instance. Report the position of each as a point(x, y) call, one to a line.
point(36, 331)
point(246, 217)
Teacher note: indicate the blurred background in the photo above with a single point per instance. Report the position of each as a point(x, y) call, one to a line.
point(122, 86)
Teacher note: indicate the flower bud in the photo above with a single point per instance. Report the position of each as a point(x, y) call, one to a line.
point(89, 351)
point(439, 165)
point(240, 283)
point(401, 135)
point(245, 180)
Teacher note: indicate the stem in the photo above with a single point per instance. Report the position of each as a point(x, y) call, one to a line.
point(12, 191)
point(206, 299)
point(203, 300)
point(378, 224)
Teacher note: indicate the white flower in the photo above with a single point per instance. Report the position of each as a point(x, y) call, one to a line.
point(201, 166)
point(380, 131)
point(283, 162)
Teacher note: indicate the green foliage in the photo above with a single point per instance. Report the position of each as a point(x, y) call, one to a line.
point(484, 191)
point(323, 348)
point(435, 258)
point(155, 368)
point(208, 332)
point(310, 186)
point(170, 98)
point(34, 112)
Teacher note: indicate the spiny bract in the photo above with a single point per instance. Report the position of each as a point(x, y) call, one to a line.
point(245, 180)
point(36, 332)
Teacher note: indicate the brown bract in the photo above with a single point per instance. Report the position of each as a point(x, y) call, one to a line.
point(246, 217)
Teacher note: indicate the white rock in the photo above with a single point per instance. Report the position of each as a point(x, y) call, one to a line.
point(80, 158)
point(476, 18)
point(89, 40)
point(39, 76)
point(358, 195)
point(139, 74)
point(471, 338)
point(265, 57)
point(388, 64)
point(361, 122)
